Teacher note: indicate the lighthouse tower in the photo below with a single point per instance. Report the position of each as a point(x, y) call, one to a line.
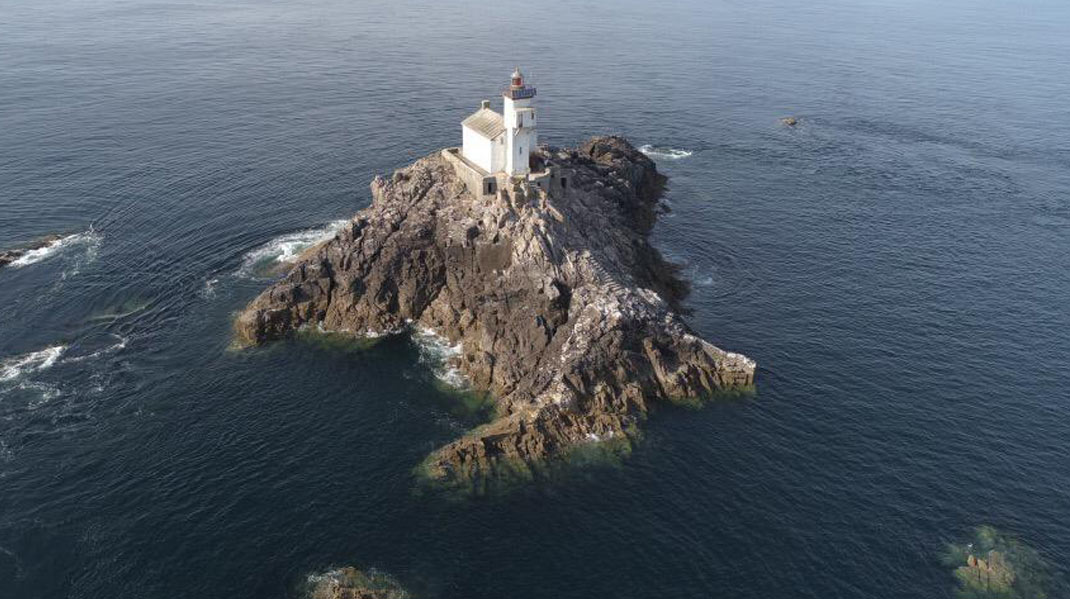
point(502, 143)
point(519, 120)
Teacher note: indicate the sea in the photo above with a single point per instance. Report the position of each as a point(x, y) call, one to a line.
point(897, 262)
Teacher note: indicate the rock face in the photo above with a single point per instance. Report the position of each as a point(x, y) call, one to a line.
point(565, 312)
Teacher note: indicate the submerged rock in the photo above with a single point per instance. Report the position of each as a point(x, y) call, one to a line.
point(350, 583)
point(9, 256)
point(997, 565)
point(562, 309)
point(790, 121)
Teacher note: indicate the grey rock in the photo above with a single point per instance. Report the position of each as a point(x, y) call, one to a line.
point(11, 255)
point(565, 312)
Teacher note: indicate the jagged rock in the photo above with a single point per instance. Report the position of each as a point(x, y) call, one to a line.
point(9, 256)
point(350, 583)
point(997, 565)
point(565, 312)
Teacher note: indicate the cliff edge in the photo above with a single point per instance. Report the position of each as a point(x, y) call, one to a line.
point(565, 312)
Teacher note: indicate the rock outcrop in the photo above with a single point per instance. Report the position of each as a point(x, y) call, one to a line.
point(998, 565)
point(350, 583)
point(565, 312)
point(9, 256)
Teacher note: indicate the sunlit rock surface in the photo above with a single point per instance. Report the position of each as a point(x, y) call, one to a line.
point(561, 308)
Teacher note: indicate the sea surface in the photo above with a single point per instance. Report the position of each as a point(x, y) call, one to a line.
point(898, 263)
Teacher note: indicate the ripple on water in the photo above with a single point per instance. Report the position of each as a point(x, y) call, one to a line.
point(715, 274)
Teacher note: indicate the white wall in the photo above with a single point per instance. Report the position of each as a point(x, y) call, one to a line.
point(499, 154)
point(519, 141)
point(479, 150)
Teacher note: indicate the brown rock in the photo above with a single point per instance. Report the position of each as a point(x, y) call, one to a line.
point(565, 312)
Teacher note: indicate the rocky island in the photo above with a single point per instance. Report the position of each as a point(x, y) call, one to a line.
point(564, 312)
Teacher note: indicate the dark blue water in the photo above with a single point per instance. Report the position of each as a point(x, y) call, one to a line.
point(898, 264)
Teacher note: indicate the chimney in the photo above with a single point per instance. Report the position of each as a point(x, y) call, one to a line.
point(484, 104)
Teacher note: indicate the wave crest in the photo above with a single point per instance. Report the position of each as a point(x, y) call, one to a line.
point(15, 367)
point(285, 249)
point(664, 153)
point(89, 239)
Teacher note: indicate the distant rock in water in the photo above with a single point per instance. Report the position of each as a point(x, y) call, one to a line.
point(350, 583)
point(9, 256)
point(560, 306)
point(995, 565)
point(790, 121)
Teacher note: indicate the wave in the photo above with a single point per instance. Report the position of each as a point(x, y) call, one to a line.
point(14, 368)
point(46, 392)
point(208, 291)
point(664, 152)
point(436, 352)
point(120, 343)
point(89, 239)
point(285, 249)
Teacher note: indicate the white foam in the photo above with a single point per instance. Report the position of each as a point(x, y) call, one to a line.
point(120, 344)
point(286, 248)
point(13, 368)
point(437, 352)
point(330, 575)
point(89, 239)
point(208, 291)
point(47, 392)
point(664, 153)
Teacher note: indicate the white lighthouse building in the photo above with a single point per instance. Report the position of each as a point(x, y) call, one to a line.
point(502, 143)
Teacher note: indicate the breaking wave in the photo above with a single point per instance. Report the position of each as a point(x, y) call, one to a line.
point(285, 249)
point(664, 152)
point(13, 368)
point(89, 239)
point(437, 353)
point(209, 289)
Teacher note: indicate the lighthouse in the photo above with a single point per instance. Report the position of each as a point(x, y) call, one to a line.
point(503, 142)
point(519, 115)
